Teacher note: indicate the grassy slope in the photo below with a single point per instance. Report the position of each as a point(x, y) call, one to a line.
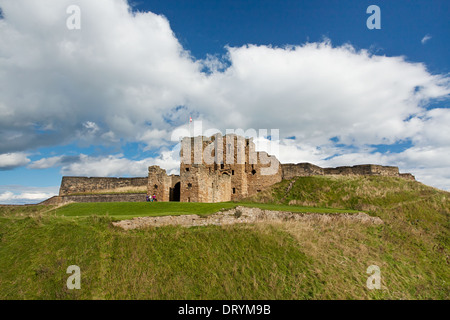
point(411, 248)
point(265, 261)
point(127, 210)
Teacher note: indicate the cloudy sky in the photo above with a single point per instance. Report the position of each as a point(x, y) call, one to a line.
point(105, 99)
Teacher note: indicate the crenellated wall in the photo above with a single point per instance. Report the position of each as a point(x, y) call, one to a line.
point(212, 169)
point(364, 169)
point(291, 170)
point(223, 168)
point(79, 185)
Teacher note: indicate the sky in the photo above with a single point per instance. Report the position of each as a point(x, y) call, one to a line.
point(106, 94)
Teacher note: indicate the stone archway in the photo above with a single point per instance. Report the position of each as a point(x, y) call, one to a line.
point(175, 192)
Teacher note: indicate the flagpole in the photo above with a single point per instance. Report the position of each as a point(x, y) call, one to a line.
point(190, 120)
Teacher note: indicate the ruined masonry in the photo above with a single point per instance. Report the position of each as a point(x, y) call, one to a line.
point(212, 169)
point(224, 168)
point(215, 169)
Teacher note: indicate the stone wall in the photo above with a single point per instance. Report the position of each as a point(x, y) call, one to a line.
point(199, 185)
point(214, 169)
point(160, 184)
point(224, 168)
point(191, 185)
point(407, 176)
point(365, 169)
point(256, 178)
point(291, 170)
point(307, 169)
point(72, 185)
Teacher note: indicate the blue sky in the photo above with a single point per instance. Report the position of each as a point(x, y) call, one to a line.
point(104, 100)
point(208, 26)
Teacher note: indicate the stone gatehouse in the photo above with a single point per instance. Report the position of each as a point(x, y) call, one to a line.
point(215, 169)
point(224, 168)
point(212, 169)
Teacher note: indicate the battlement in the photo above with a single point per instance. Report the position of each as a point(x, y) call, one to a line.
point(79, 185)
point(217, 168)
point(291, 170)
point(214, 169)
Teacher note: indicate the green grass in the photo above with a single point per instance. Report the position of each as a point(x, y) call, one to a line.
point(387, 197)
point(357, 192)
point(127, 210)
point(290, 260)
point(24, 211)
point(163, 263)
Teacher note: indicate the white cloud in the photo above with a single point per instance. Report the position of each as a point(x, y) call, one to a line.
point(51, 162)
point(153, 138)
point(112, 79)
point(25, 195)
point(317, 91)
point(10, 161)
point(425, 38)
point(429, 164)
point(124, 77)
point(117, 165)
point(292, 151)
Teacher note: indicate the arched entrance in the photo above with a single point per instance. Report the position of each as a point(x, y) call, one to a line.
point(175, 192)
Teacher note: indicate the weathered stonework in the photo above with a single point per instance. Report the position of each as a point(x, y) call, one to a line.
point(291, 170)
point(213, 169)
point(74, 185)
point(223, 168)
point(161, 185)
point(244, 215)
point(407, 176)
point(367, 169)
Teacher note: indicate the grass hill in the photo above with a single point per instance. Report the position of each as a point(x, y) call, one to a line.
point(290, 260)
point(386, 197)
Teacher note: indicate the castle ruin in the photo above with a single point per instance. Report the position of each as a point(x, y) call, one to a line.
point(212, 169)
point(226, 168)
point(215, 169)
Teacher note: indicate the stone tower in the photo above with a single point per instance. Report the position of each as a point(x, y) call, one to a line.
point(214, 169)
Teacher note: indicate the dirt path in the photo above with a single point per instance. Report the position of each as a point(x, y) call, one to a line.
point(286, 192)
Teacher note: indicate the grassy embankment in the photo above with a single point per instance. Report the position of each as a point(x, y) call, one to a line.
point(127, 210)
point(292, 260)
